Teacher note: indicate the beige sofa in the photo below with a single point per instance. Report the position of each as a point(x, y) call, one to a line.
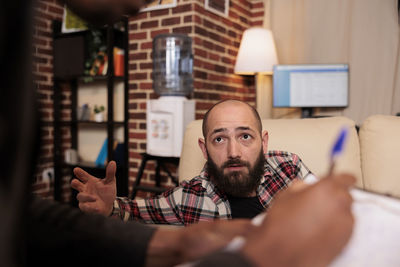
point(371, 154)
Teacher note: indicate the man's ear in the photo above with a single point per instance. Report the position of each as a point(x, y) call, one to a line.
point(264, 137)
point(202, 145)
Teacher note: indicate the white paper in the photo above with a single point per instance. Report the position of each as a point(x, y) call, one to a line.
point(376, 235)
point(375, 240)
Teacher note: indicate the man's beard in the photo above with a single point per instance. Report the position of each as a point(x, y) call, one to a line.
point(237, 183)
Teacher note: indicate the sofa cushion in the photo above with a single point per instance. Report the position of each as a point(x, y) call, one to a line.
point(380, 143)
point(311, 139)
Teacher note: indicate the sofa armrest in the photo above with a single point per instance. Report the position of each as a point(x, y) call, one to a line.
point(380, 146)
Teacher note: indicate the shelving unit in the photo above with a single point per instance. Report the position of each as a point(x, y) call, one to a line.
point(71, 52)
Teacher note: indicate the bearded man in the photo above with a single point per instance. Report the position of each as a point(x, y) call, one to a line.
point(239, 179)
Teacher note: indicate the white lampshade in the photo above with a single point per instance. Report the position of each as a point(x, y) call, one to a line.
point(257, 52)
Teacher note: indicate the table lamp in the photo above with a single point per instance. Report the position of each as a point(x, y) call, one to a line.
point(257, 56)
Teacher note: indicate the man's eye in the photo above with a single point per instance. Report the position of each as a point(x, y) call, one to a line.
point(218, 139)
point(246, 137)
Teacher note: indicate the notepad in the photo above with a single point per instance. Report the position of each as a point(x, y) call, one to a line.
point(375, 240)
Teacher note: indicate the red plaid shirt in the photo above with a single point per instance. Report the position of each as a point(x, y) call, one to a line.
point(199, 200)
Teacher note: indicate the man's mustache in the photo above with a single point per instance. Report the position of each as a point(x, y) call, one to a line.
point(230, 162)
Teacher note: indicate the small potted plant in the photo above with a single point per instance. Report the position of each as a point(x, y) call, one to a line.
point(99, 113)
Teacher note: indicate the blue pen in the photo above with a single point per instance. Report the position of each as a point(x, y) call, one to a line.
point(337, 148)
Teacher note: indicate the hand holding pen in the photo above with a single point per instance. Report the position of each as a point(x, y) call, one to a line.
point(337, 148)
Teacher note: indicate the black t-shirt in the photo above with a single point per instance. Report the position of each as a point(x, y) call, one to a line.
point(245, 207)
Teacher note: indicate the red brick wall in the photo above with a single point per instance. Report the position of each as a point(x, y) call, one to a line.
point(216, 40)
point(45, 12)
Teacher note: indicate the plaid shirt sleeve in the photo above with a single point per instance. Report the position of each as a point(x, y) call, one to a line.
point(162, 209)
point(183, 205)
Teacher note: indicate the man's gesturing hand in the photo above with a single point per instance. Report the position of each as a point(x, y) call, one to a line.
point(96, 195)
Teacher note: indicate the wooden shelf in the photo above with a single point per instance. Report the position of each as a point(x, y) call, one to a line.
point(83, 164)
point(90, 123)
point(89, 79)
point(87, 165)
point(71, 54)
point(59, 34)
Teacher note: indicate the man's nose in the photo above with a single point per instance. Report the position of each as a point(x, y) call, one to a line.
point(234, 149)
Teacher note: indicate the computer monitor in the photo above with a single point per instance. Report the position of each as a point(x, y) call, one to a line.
point(308, 86)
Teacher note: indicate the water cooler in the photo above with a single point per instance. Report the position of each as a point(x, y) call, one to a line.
point(168, 115)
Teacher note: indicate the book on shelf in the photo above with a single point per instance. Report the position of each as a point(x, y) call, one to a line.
point(118, 61)
point(119, 154)
point(102, 156)
point(118, 149)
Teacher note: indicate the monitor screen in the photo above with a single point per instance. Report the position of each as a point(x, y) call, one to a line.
point(311, 85)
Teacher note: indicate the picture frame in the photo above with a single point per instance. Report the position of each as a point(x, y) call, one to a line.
point(159, 4)
point(219, 7)
point(71, 22)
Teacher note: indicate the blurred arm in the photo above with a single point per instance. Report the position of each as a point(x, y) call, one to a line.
point(59, 235)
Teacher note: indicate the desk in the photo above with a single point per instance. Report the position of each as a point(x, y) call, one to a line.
point(159, 164)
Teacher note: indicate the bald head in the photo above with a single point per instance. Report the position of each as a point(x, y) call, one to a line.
point(220, 109)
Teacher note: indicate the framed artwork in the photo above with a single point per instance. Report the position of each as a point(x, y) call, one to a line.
point(219, 7)
point(71, 22)
point(159, 4)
